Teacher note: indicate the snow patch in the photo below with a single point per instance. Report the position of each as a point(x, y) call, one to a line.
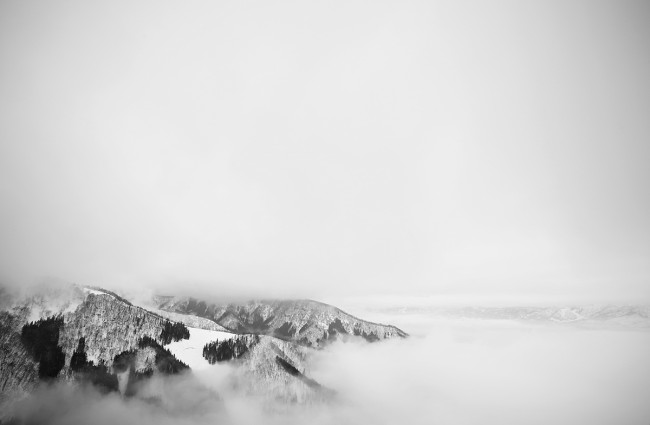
point(93, 291)
point(190, 351)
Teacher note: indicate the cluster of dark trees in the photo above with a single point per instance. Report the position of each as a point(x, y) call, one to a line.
point(79, 358)
point(85, 370)
point(226, 350)
point(166, 362)
point(41, 339)
point(173, 332)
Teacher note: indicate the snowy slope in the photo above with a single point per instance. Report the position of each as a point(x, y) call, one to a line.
point(189, 320)
point(190, 351)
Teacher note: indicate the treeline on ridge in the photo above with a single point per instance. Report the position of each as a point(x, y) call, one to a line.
point(173, 332)
point(228, 349)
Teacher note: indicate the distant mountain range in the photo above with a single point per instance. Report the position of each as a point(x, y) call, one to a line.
point(629, 316)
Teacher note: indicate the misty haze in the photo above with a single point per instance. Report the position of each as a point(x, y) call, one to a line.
point(342, 212)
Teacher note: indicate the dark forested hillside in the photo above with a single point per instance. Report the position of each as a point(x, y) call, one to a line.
point(41, 339)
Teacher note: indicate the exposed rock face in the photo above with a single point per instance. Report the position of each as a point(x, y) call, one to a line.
point(306, 322)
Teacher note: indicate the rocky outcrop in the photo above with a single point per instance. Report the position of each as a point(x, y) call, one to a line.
point(309, 323)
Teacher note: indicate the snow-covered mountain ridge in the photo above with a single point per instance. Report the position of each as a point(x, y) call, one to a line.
point(306, 322)
point(104, 325)
point(88, 334)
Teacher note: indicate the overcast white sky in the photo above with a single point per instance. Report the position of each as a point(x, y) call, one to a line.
point(299, 148)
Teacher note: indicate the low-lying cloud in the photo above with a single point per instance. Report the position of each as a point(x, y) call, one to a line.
point(458, 372)
point(478, 372)
point(170, 400)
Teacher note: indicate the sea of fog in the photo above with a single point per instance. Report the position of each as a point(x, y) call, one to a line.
point(448, 372)
point(493, 372)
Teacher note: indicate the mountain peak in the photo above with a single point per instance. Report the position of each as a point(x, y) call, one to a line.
point(306, 322)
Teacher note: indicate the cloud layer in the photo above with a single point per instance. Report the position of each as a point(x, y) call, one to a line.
point(457, 372)
point(306, 149)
